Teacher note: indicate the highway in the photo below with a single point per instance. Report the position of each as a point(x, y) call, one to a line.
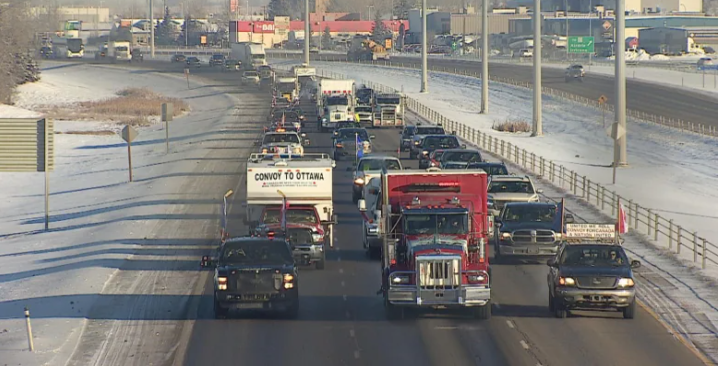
point(342, 320)
point(687, 105)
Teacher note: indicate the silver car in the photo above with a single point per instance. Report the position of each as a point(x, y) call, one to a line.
point(251, 77)
point(369, 167)
point(504, 189)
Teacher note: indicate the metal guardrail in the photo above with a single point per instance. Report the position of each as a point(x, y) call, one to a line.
point(711, 131)
point(640, 219)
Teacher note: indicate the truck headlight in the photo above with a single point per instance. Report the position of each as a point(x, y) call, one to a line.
point(401, 280)
point(626, 282)
point(373, 229)
point(425, 153)
point(416, 143)
point(222, 283)
point(359, 181)
point(505, 235)
point(317, 238)
point(570, 282)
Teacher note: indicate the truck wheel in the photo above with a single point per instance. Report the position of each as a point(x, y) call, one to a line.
point(630, 311)
point(219, 312)
point(320, 265)
point(559, 312)
point(482, 313)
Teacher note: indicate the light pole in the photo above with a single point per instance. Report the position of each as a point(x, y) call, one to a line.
point(619, 132)
point(537, 114)
point(590, 27)
point(484, 61)
point(424, 47)
point(306, 42)
point(152, 31)
point(566, 14)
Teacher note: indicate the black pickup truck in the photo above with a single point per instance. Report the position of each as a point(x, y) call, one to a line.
point(254, 273)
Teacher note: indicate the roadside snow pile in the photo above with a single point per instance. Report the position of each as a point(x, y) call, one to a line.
point(9, 111)
point(659, 57)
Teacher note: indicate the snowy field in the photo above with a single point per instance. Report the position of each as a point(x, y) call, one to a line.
point(575, 138)
point(93, 272)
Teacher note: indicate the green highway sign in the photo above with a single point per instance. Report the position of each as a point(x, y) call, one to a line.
point(581, 45)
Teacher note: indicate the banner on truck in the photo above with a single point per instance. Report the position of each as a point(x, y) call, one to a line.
point(291, 179)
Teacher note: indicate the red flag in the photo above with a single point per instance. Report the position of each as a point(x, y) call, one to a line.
point(621, 223)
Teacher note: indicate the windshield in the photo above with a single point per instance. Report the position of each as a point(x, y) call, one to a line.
point(218, 56)
point(511, 187)
point(436, 224)
point(529, 214)
point(408, 131)
point(593, 256)
point(281, 138)
point(388, 100)
point(440, 142)
point(286, 86)
point(350, 134)
point(74, 44)
point(250, 74)
point(258, 252)
point(427, 131)
point(461, 156)
point(336, 100)
point(258, 56)
point(491, 169)
point(289, 116)
point(347, 124)
point(378, 164)
point(363, 109)
point(121, 48)
point(298, 216)
point(366, 92)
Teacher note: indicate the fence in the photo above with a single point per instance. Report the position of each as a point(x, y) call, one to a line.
point(643, 220)
point(711, 131)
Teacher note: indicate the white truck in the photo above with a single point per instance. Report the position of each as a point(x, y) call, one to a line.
point(119, 51)
point(250, 54)
point(335, 102)
point(304, 75)
point(388, 110)
point(303, 181)
point(287, 87)
point(66, 48)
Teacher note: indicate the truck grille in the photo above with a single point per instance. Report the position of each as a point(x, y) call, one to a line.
point(541, 236)
point(251, 281)
point(600, 282)
point(439, 272)
point(388, 114)
point(300, 236)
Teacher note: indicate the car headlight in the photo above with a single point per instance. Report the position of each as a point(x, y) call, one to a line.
point(416, 142)
point(505, 235)
point(339, 145)
point(401, 280)
point(566, 281)
point(359, 181)
point(373, 229)
point(265, 151)
point(626, 282)
point(222, 283)
point(317, 238)
point(425, 153)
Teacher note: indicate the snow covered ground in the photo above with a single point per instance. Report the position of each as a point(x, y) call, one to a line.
point(575, 138)
point(99, 273)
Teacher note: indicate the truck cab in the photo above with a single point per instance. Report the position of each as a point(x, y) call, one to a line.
point(388, 110)
point(435, 226)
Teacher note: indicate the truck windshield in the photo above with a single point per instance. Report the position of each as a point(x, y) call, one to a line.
point(388, 100)
point(258, 56)
point(337, 100)
point(531, 213)
point(593, 256)
point(440, 142)
point(258, 252)
point(418, 224)
point(289, 87)
point(281, 138)
point(121, 48)
point(363, 110)
point(511, 187)
point(75, 45)
point(299, 216)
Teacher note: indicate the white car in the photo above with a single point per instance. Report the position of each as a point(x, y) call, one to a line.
point(250, 77)
point(284, 143)
point(705, 61)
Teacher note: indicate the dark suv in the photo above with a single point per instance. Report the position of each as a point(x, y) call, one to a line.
point(526, 230)
point(217, 60)
point(575, 72)
point(407, 137)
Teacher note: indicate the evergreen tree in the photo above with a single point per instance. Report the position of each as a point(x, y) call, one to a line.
point(327, 41)
point(402, 7)
point(379, 31)
point(164, 30)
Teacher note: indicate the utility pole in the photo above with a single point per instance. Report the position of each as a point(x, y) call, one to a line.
point(484, 60)
point(537, 116)
point(424, 47)
point(566, 14)
point(306, 40)
point(619, 132)
point(152, 31)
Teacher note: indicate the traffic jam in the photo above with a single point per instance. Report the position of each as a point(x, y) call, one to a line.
point(437, 230)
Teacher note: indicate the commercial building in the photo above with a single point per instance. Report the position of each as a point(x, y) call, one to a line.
point(674, 41)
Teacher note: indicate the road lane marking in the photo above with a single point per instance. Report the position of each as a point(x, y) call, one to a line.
point(340, 270)
point(342, 284)
point(356, 354)
point(525, 345)
point(352, 333)
point(510, 324)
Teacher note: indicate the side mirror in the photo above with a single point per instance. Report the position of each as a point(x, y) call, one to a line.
point(332, 164)
point(362, 205)
point(373, 136)
point(551, 262)
point(635, 264)
point(570, 219)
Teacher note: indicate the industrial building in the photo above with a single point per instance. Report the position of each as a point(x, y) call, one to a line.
point(675, 41)
point(632, 6)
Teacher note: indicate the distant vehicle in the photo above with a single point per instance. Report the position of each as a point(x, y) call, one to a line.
point(406, 137)
point(314, 50)
point(137, 55)
point(119, 51)
point(250, 77)
point(192, 62)
point(523, 53)
point(419, 132)
point(704, 62)
point(66, 48)
point(47, 52)
point(575, 72)
point(369, 167)
point(345, 143)
point(364, 114)
point(177, 58)
point(491, 168)
point(504, 189)
point(251, 54)
point(460, 156)
point(256, 274)
point(216, 60)
point(231, 65)
point(434, 142)
point(337, 126)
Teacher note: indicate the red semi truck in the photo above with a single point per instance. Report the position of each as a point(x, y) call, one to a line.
point(434, 228)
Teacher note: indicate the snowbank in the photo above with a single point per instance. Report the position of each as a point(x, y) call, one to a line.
point(575, 138)
point(100, 270)
point(9, 111)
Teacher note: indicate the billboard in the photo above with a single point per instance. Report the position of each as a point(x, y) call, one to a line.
point(282, 25)
point(233, 6)
point(267, 27)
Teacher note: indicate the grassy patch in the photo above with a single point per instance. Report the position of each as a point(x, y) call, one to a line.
point(512, 126)
point(133, 106)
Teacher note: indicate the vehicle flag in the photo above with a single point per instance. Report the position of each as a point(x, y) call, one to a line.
point(283, 210)
point(559, 224)
point(358, 146)
point(621, 223)
point(282, 122)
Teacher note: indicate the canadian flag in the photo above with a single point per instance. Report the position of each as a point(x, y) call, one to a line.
point(621, 223)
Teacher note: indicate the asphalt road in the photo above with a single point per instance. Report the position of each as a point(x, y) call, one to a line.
point(654, 99)
point(342, 321)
